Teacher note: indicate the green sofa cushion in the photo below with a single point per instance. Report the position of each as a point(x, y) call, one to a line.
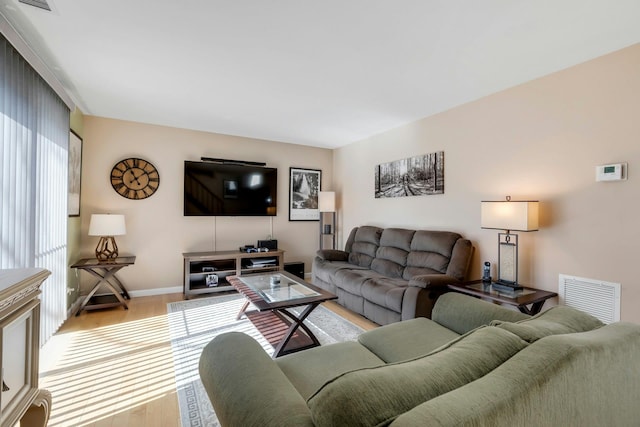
point(463, 313)
point(406, 340)
point(385, 392)
point(584, 379)
point(308, 370)
point(557, 320)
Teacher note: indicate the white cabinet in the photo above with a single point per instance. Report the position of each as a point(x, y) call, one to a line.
point(20, 399)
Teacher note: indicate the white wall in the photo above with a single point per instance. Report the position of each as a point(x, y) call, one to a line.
point(538, 141)
point(157, 231)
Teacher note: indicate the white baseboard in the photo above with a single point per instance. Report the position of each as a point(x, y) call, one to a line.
point(156, 291)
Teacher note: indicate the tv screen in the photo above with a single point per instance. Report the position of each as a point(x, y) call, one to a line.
point(221, 189)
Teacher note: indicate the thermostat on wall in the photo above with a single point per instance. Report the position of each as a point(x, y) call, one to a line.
point(612, 172)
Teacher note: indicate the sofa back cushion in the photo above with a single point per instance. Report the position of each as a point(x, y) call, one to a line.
point(391, 256)
point(430, 252)
point(463, 313)
point(385, 392)
point(556, 320)
point(362, 245)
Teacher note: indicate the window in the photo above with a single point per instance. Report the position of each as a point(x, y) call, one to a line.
point(34, 132)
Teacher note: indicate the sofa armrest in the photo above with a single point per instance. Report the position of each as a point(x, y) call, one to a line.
point(427, 281)
point(332, 255)
point(421, 294)
point(246, 387)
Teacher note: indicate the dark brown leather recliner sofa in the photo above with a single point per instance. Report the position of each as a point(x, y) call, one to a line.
point(392, 274)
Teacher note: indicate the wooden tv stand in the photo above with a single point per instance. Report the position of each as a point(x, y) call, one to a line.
point(198, 266)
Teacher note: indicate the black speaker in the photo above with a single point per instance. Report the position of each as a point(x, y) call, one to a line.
point(269, 244)
point(296, 268)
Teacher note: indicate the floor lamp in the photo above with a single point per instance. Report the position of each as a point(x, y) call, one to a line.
point(327, 204)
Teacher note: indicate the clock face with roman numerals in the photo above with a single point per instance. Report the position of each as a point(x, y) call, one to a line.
point(135, 178)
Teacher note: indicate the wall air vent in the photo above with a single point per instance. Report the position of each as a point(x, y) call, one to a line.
point(42, 4)
point(599, 299)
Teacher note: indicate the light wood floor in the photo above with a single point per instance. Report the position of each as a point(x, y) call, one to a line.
point(115, 367)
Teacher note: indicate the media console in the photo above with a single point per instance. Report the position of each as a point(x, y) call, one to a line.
point(207, 272)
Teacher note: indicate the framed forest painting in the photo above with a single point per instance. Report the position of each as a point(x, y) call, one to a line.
point(414, 176)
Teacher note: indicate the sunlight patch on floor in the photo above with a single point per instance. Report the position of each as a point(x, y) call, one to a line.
point(94, 374)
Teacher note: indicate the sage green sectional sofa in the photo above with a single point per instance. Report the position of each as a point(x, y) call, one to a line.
point(472, 364)
point(392, 274)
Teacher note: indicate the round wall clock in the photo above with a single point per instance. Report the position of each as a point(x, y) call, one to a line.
point(135, 178)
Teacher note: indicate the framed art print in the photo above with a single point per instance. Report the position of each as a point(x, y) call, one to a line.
point(414, 176)
point(304, 186)
point(75, 174)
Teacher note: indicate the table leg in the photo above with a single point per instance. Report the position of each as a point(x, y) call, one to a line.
point(535, 308)
point(121, 286)
point(95, 288)
point(296, 322)
point(105, 275)
point(243, 309)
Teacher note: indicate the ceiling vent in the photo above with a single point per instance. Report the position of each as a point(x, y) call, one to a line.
point(42, 4)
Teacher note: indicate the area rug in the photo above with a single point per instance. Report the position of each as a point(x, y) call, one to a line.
point(193, 323)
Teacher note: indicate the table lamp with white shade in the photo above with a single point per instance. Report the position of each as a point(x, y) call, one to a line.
point(107, 226)
point(510, 216)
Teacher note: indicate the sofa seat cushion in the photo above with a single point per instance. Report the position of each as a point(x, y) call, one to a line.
point(382, 393)
point(406, 340)
point(352, 280)
point(554, 321)
point(385, 292)
point(308, 370)
point(326, 270)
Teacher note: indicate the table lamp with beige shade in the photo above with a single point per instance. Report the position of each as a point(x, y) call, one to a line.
point(510, 216)
point(107, 226)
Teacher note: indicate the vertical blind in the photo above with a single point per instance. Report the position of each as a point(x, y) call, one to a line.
point(34, 127)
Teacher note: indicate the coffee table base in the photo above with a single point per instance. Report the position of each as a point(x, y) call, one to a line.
point(285, 331)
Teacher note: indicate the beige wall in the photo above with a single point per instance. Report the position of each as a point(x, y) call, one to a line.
point(157, 231)
point(541, 140)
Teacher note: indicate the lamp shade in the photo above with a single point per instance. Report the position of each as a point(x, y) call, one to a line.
point(509, 215)
point(327, 201)
point(107, 225)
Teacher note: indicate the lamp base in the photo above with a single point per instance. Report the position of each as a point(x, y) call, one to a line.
point(107, 250)
point(506, 286)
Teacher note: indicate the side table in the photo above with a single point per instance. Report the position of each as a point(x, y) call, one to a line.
point(106, 274)
point(520, 299)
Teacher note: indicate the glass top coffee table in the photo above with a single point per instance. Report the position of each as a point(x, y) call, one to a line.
point(273, 295)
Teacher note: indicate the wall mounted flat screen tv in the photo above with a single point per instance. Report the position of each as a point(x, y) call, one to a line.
point(221, 189)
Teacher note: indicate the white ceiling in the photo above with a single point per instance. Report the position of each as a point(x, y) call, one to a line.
point(324, 73)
